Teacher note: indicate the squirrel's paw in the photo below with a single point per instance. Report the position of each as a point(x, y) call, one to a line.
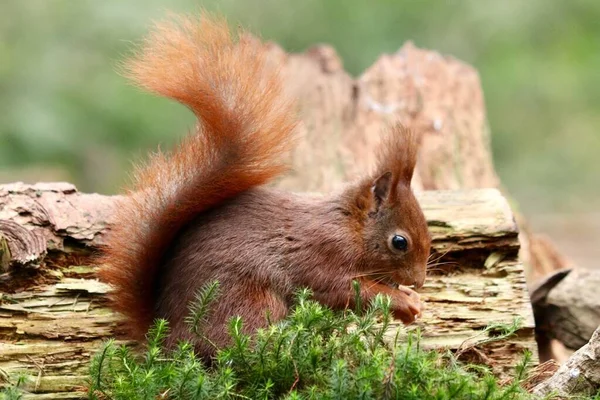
point(406, 305)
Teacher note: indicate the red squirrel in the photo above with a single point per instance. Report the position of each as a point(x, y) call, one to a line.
point(203, 212)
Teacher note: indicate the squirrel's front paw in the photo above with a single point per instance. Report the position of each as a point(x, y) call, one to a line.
point(406, 305)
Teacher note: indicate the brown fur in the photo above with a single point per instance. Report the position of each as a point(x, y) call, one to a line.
point(202, 213)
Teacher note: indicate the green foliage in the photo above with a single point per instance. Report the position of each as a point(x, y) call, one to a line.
point(314, 353)
point(13, 390)
point(199, 308)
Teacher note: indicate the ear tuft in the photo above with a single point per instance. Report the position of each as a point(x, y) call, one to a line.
point(398, 153)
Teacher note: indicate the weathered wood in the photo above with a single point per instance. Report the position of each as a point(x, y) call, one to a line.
point(538, 374)
point(19, 246)
point(568, 306)
point(53, 320)
point(75, 219)
point(343, 118)
point(579, 376)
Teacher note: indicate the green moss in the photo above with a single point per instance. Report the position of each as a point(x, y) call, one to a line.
point(315, 353)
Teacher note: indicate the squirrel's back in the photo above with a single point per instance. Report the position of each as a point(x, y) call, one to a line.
point(244, 132)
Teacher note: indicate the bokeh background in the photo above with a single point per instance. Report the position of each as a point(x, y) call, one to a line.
point(65, 114)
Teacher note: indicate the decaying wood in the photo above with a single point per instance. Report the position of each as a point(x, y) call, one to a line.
point(437, 96)
point(540, 373)
point(54, 319)
point(20, 247)
point(580, 375)
point(568, 306)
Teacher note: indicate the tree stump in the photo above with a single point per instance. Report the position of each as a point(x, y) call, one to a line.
point(343, 118)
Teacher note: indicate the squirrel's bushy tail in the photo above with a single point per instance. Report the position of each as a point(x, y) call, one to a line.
point(244, 132)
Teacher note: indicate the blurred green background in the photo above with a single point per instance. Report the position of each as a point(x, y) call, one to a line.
point(66, 114)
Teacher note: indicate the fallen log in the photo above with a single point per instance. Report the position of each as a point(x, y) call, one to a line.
point(53, 314)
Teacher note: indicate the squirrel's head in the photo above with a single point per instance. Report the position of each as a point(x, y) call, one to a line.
point(394, 233)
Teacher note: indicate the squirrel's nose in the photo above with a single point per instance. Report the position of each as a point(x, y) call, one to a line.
point(419, 276)
point(419, 282)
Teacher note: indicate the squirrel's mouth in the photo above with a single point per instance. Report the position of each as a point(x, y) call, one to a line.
point(395, 283)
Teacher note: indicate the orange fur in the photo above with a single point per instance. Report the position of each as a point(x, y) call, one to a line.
point(398, 154)
point(244, 133)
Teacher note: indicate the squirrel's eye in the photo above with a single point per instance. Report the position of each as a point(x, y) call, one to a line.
point(399, 242)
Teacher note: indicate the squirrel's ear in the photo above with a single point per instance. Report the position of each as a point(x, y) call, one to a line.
point(381, 188)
